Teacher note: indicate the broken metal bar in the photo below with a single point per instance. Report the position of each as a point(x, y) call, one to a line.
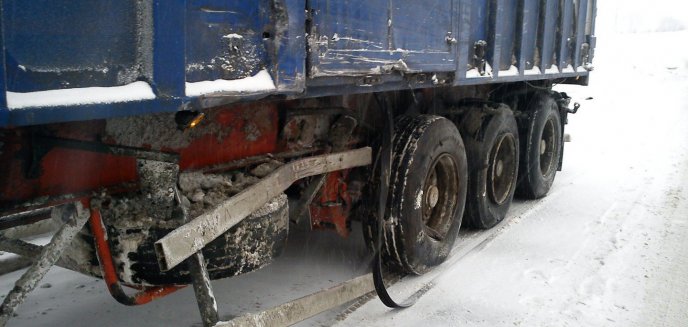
point(190, 238)
point(110, 273)
point(199, 277)
point(205, 298)
point(13, 264)
point(24, 218)
point(49, 255)
point(11, 208)
point(307, 198)
point(308, 306)
point(29, 251)
point(20, 247)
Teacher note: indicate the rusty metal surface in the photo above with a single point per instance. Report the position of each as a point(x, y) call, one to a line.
point(146, 294)
point(63, 171)
point(93, 155)
point(48, 143)
point(135, 221)
point(190, 238)
point(307, 197)
point(331, 209)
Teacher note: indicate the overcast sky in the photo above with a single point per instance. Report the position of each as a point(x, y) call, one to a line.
point(624, 16)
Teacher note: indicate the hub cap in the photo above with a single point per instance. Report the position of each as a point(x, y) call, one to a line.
point(502, 169)
point(548, 148)
point(439, 204)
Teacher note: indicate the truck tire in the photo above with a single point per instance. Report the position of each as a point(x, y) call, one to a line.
point(248, 246)
point(491, 139)
point(428, 185)
point(540, 147)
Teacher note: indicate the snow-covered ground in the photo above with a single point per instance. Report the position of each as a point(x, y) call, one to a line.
point(607, 247)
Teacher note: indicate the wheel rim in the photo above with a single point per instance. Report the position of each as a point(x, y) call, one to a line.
point(548, 146)
point(439, 197)
point(502, 169)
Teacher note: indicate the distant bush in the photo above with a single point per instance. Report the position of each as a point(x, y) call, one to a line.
point(670, 24)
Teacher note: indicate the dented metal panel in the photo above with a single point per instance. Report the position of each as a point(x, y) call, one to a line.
point(308, 48)
point(224, 39)
point(377, 37)
point(79, 36)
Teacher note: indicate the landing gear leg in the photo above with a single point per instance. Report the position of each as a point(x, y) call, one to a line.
point(49, 256)
point(200, 279)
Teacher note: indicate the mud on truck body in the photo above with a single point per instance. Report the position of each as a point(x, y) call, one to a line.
point(176, 141)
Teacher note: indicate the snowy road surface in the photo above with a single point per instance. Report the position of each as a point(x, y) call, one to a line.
point(607, 247)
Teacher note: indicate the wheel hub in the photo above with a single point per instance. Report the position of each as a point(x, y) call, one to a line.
point(547, 150)
point(502, 169)
point(439, 204)
point(433, 196)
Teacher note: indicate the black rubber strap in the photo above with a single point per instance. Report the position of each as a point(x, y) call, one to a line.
point(385, 168)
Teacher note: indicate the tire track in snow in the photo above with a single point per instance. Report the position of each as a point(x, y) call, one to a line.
point(471, 242)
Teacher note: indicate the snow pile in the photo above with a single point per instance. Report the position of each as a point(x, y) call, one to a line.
point(552, 70)
point(568, 69)
point(533, 71)
point(79, 96)
point(475, 73)
point(233, 36)
point(513, 71)
point(261, 82)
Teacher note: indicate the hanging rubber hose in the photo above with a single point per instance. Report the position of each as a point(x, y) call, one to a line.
point(385, 167)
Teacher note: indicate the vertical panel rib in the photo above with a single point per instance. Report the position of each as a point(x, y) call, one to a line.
point(547, 37)
point(581, 19)
point(4, 112)
point(497, 27)
point(465, 44)
point(529, 12)
point(510, 31)
point(169, 25)
point(565, 38)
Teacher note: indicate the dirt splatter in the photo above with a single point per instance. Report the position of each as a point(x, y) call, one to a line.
point(160, 131)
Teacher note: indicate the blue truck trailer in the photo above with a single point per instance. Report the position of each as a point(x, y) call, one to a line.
point(178, 140)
